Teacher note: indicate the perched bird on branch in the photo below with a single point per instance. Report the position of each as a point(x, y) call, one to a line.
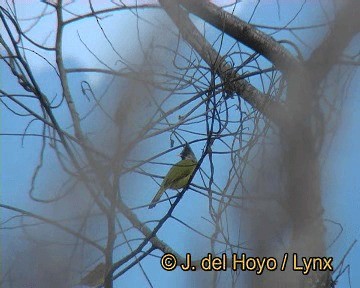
point(179, 174)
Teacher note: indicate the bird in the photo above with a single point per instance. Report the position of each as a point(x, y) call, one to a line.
point(178, 175)
point(95, 277)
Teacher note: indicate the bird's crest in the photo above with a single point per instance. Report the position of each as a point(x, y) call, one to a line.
point(187, 153)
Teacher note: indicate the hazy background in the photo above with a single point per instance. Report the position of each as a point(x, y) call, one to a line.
point(341, 181)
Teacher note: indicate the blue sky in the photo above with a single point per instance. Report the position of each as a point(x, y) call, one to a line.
point(341, 182)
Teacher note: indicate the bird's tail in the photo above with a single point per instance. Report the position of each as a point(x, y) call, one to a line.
point(157, 197)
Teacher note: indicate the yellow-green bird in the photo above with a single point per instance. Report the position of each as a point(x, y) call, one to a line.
point(179, 174)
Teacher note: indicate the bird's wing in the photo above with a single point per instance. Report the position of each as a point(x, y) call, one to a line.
point(179, 171)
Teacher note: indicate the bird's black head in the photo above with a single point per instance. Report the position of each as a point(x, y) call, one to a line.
point(187, 153)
